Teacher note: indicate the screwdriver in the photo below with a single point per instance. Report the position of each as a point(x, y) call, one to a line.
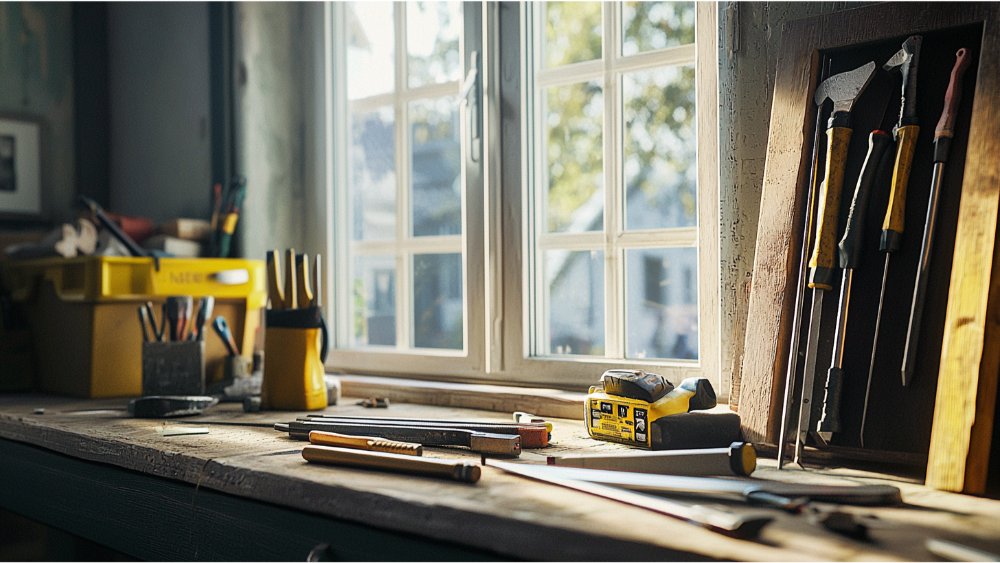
point(850, 257)
point(905, 133)
point(942, 142)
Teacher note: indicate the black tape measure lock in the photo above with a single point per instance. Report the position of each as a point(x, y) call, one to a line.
point(645, 410)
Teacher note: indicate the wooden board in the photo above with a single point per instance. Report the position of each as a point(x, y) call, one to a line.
point(779, 236)
point(242, 457)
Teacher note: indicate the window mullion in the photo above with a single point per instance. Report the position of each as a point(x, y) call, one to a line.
point(613, 263)
point(539, 173)
point(403, 293)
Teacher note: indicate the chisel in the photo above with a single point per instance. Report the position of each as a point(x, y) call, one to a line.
point(906, 60)
point(800, 286)
point(850, 257)
point(942, 143)
point(844, 89)
point(532, 435)
point(456, 470)
point(482, 442)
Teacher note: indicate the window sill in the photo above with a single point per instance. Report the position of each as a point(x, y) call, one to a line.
point(541, 402)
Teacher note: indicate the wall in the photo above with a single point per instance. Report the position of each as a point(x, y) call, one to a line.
point(750, 36)
point(279, 141)
point(36, 80)
point(159, 105)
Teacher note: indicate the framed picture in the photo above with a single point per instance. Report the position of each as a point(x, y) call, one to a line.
point(20, 168)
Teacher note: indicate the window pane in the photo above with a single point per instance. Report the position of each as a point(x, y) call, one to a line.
point(647, 26)
point(432, 30)
point(370, 47)
point(437, 165)
point(662, 303)
point(437, 301)
point(373, 175)
point(373, 307)
point(660, 167)
point(576, 301)
point(572, 32)
point(574, 157)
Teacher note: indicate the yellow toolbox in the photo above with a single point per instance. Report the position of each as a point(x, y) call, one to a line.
point(83, 314)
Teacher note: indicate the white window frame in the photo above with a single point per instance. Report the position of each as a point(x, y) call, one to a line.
point(403, 359)
point(494, 237)
point(522, 361)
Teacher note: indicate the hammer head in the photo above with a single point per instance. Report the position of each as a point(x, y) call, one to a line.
point(907, 54)
point(844, 88)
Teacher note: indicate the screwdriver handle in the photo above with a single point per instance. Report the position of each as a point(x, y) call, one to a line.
point(850, 245)
point(274, 291)
point(305, 295)
point(821, 262)
point(952, 96)
point(892, 226)
point(290, 282)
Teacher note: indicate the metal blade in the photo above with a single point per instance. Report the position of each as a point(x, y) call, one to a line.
point(809, 374)
point(871, 365)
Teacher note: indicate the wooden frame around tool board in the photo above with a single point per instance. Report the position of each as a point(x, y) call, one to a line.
point(970, 358)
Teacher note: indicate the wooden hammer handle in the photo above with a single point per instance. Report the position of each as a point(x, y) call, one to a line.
point(953, 96)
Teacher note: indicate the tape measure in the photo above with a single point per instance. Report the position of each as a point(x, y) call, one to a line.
point(631, 407)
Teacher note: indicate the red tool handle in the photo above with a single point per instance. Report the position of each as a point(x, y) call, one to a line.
point(953, 95)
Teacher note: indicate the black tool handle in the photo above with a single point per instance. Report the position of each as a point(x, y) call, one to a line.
point(830, 422)
point(851, 244)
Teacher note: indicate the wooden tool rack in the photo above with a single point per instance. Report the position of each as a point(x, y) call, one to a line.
point(944, 419)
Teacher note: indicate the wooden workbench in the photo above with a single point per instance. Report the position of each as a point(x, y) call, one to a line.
point(243, 492)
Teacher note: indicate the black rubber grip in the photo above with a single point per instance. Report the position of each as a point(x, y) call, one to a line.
point(830, 422)
point(686, 431)
point(851, 244)
point(891, 241)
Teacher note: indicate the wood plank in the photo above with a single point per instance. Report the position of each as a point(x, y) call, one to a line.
point(513, 517)
point(780, 226)
point(970, 359)
point(541, 402)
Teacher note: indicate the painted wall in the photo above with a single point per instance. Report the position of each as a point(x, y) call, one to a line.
point(159, 104)
point(36, 80)
point(749, 42)
point(279, 136)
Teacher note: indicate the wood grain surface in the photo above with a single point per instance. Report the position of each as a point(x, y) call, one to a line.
point(244, 457)
point(784, 190)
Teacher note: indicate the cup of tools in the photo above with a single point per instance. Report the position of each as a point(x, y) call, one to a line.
point(173, 358)
point(296, 339)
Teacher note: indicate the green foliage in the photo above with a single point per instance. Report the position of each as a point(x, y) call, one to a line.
point(360, 321)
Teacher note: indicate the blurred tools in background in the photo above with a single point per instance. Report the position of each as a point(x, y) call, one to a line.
point(226, 213)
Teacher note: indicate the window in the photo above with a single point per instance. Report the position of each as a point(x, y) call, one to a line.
point(583, 236)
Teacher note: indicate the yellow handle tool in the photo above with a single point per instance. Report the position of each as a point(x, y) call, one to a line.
point(305, 294)
point(290, 282)
point(821, 263)
point(892, 226)
point(370, 443)
point(274, 292)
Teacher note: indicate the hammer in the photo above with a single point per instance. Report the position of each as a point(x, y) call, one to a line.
point(843, 89)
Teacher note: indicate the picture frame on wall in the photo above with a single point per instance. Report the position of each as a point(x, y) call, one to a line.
point(20, 168)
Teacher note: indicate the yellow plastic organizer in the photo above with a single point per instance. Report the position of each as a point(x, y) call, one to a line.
point(85, 324)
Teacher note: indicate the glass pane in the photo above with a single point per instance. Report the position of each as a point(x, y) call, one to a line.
point(572, 32)
point(437, 301)
point(660, 167)
point(574, 157)
point(647, 26)
point(576, 301)
point(437, 164)
point(370, 46)
point(432, 31)
point(661, 303)
point(373, 175)
point(373, 307)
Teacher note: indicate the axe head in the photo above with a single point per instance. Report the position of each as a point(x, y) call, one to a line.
point(906, 61)
point(844, 88)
